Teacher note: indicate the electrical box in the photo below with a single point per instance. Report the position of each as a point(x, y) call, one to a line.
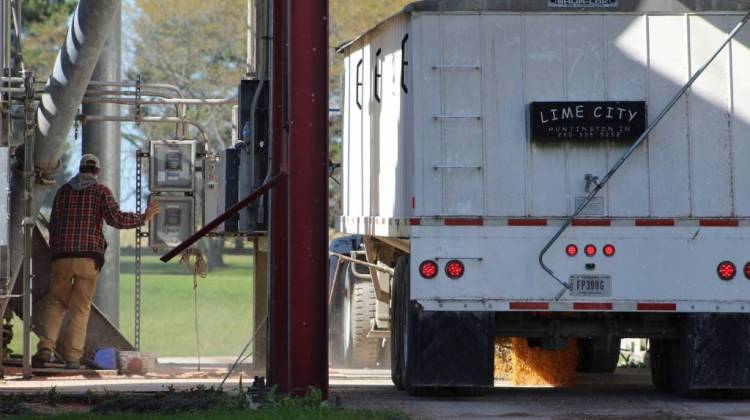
point(212, 190)
point(229, 165)
point(172, 166)
point(174, 223)
point(253, 151)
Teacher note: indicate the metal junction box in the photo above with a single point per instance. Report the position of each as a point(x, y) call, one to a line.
point(174, 223)
point(212, 190)
point(172, 165)
point(229, 164)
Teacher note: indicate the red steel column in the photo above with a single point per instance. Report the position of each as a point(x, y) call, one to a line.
point(299, 204)
point(278, 355)
point(308, 194)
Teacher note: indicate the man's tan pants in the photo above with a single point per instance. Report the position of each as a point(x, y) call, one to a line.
point(71, 288)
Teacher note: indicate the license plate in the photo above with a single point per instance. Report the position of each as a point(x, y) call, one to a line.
point(591, 285)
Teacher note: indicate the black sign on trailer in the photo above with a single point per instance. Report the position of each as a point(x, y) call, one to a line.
point(553, 121)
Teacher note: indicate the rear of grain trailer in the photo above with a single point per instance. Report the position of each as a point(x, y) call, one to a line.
point(473, 129)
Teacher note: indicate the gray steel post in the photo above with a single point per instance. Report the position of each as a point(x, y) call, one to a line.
point(102, 138)
point(72, 71)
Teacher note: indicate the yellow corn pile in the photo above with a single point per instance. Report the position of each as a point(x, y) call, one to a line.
point(534, 367)
point(503, 359)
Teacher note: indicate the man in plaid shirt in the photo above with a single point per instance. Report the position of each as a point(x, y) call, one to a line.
point(77, 243)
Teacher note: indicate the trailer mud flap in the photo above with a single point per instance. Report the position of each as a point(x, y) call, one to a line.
point(451, 349)
point(715, 353)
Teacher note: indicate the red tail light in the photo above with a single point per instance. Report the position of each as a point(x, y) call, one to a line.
point(589, 250)
point(608, 250)
point(571, 250)
point(747, 270)
point(454, 269)
point(726, 270)
point(428, 269)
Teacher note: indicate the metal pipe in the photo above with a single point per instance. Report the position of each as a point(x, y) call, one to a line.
point(278, 350)
point(165, 86)
point(103, 139)
point(166, 120)
point(364, 263)
point(191, 101)
point(250, 62)
point(29, 221)
point(71, 73)
point(630, 151)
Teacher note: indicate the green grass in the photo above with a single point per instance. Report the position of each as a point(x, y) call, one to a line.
point(199, 403)
point(225, 303)
point(282, 413)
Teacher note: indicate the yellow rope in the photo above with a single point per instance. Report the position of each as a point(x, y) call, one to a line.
point(195, 261)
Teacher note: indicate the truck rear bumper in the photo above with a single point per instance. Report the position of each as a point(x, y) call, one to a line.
point(653, 269)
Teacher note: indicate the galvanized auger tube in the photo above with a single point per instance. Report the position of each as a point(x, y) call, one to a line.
point(626, 155)
point(87, 32)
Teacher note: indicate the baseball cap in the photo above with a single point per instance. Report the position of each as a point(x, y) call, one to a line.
point(90, 160)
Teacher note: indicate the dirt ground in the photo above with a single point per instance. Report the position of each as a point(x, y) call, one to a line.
point(626, 394)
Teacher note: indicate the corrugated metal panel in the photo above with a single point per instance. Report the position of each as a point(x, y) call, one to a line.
point(694, 165)
point(586, 75)
point(353, 139)
point(531, 6)
point(367, 172)
point(669, 144)
point(462, 163)
point(544, 68)
point(627, 79)
point(504, 97)
point(740, 120)
point(710, 153)
point(426, 41)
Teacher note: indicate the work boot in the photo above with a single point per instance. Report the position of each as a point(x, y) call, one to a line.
point(72, 365)
point(41, 358)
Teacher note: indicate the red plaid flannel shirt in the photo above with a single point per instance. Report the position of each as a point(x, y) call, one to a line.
point(77, 217)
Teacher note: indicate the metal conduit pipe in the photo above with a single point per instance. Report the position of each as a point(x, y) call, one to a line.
point(168, 101)
point(165, 120)
point(100, 94)
point(72, 70)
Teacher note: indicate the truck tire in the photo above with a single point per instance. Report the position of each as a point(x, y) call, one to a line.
point(363, 350)
point(598, 355)
point(338, 323)
point(397, 311)
point(661, 364)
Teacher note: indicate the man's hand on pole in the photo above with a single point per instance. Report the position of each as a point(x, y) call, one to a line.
point(151, 211)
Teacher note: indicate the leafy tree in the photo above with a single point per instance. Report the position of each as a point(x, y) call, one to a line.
point(44, 25)
point(198, 46)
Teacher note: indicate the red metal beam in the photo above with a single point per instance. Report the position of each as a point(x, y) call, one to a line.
point(308, 194)
point(278, 345)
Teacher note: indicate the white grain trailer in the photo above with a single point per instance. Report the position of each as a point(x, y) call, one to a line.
point(473, 129)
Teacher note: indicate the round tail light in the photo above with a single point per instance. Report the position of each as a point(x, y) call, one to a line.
point(747, 270)
point(428, 269)
point(589, 250)
point(609, 250)
point(571, 250)
point(454, 269)
point(726, 270)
